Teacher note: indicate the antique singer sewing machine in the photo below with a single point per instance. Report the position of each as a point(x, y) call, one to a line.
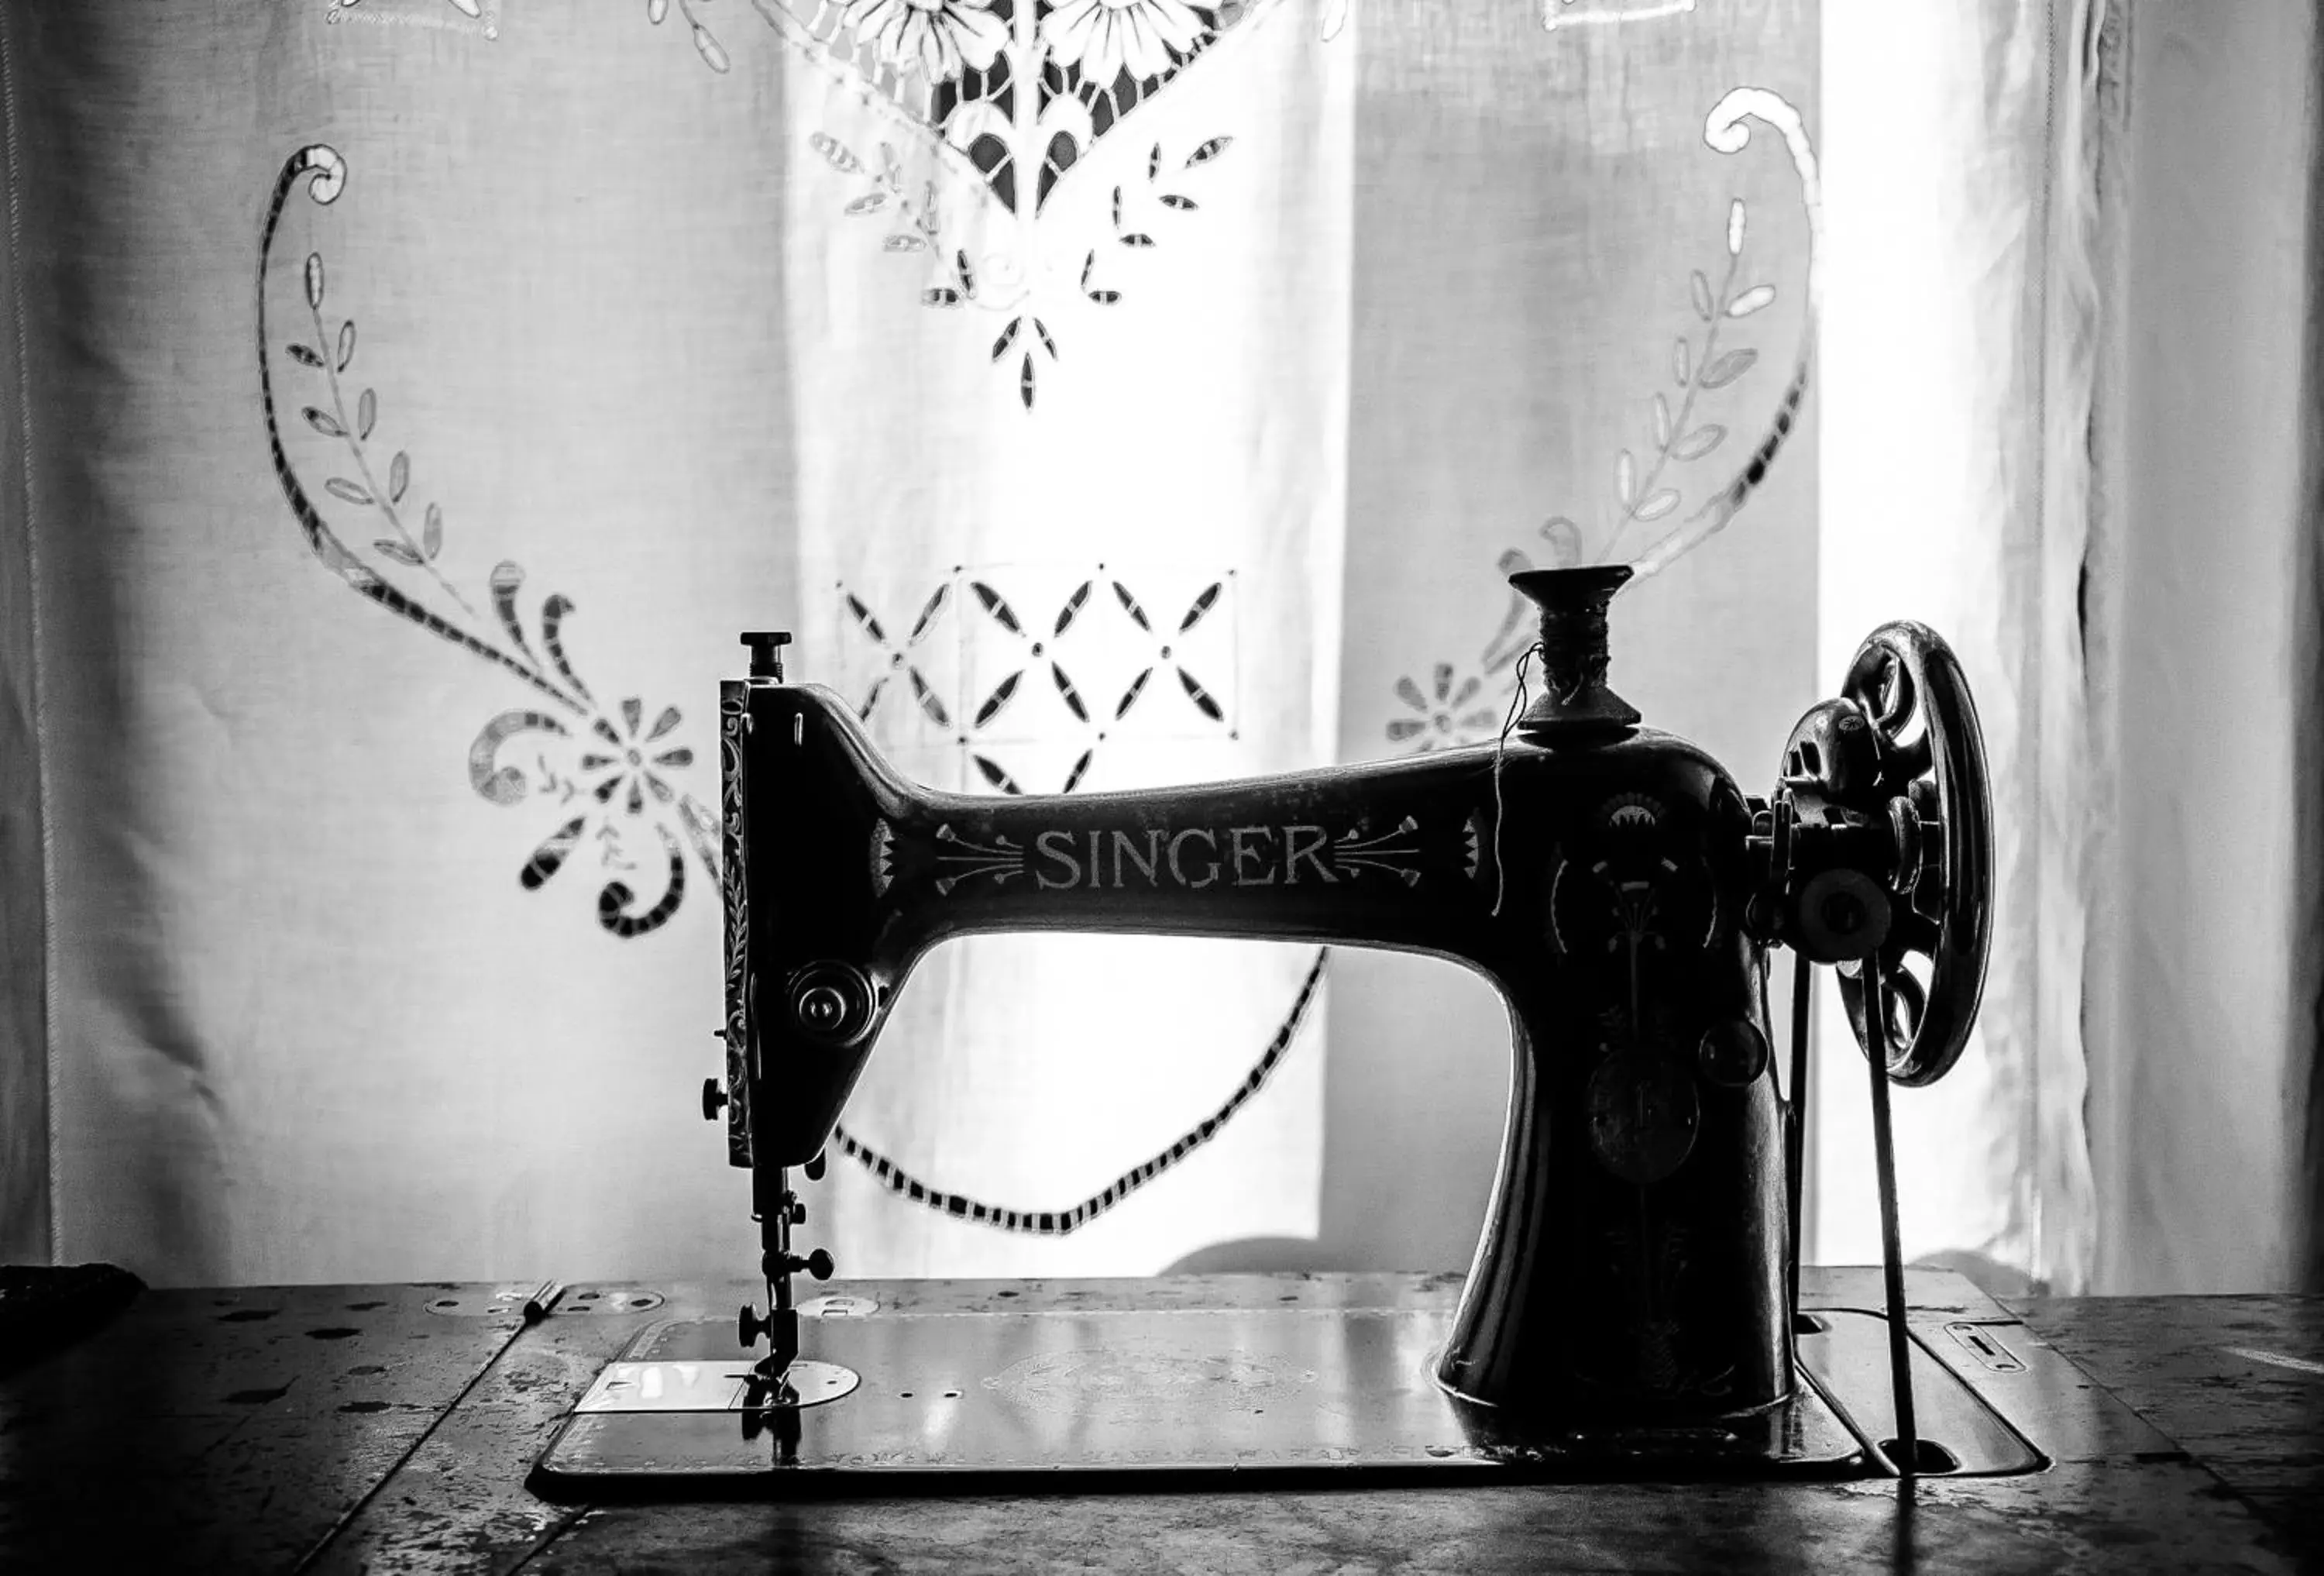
point(1636, 1301)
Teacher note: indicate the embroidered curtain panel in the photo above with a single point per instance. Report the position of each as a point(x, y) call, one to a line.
point(410, 400)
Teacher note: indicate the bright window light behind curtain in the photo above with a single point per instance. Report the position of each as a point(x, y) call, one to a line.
point(1953, 494)
point(2072, 285)
point(1159, 430)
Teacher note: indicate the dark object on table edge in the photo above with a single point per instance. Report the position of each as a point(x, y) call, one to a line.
point(43, 1307)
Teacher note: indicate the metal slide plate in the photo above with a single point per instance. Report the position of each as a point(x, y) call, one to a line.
point(1188, 1392)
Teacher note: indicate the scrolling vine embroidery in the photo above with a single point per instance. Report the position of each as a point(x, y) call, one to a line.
point(613, 779)
point(1457, 708)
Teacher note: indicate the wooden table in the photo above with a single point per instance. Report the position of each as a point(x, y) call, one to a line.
point(390, 1429)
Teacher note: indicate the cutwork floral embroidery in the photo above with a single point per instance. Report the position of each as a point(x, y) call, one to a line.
point(1106, 38)
point(613, 778)
point(940, 39)
point(610, 783)
point(990, 106)
point(1450, 713)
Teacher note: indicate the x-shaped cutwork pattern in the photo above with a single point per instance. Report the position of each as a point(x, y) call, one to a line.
point(899, 655)
point(1207, 599)
point(1100, 652)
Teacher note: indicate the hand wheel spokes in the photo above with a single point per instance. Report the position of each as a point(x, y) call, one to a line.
point(1902, 970)
point(1882, 686)
point(1906, 682)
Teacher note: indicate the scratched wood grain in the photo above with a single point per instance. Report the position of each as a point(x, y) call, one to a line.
point(2238, 1380)
point(229, 1430)
point(2150, 1518)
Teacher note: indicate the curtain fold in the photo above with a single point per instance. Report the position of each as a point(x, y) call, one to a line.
point(2201, 1011)
point(1956, 354)
point(26, 1200)
point(2307, 583)
point(2071, 407)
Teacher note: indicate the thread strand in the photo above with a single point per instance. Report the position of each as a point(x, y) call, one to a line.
point(1500, 754)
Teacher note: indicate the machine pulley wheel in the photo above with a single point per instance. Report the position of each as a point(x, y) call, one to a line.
point(1908, 683)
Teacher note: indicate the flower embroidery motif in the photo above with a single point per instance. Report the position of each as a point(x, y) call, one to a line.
point(1105, 38)
point(938, 38)
point(630, 766)
point(1450, 713)
point(609, 780)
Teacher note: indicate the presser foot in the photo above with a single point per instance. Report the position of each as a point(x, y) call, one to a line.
point(782, 1380)
point(804, 1383)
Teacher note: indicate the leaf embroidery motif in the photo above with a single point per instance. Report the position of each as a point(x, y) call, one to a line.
point(1678, 436)
point(637, 782)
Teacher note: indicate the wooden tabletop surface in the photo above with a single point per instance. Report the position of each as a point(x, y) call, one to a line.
point(391, 1428)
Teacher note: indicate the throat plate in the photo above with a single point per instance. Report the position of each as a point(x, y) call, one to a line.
point(694, 1386)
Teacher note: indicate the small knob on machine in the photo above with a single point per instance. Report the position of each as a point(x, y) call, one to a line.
point(749, 1326)
point(816, 1263)
point(714, 1100)
point(823, 1008)
point(832, 1001)
point(766, 651)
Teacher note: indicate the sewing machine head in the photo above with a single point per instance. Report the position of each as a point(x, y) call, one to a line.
point(1638, 1259)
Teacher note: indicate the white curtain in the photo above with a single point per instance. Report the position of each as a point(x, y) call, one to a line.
point(2207, 1120)
point(2071, 419)
point(362, 922)
point(1958, 360)
point(382, 935)
point(1070, 506)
